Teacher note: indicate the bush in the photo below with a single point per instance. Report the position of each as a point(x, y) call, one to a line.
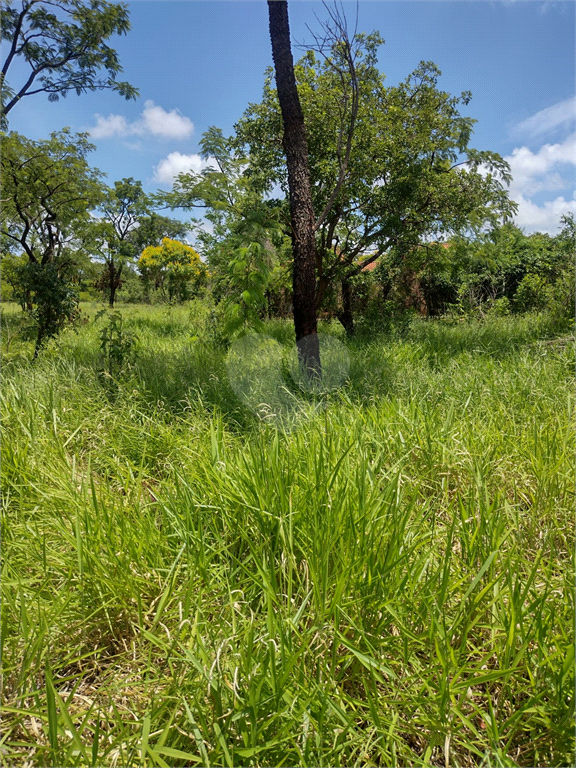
point(532, 293)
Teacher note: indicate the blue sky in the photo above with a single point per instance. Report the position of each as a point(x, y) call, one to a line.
point(199, 63)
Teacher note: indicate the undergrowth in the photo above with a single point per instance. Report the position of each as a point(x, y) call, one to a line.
point(389, 584)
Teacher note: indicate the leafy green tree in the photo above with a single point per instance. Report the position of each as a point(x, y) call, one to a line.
point(122, 209)
point(245, 246)
point(152, 229)
point(63, 43)
point(172, 266)
point(390, 167)
point(48, 189)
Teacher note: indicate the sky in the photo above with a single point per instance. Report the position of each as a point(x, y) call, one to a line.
point(199, 63)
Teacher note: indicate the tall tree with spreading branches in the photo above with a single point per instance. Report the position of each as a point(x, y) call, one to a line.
point(48, 189)
point(63, 42)
point(123, 209)
point(389, 168)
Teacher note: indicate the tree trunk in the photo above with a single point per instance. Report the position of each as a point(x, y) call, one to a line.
point(345, 315)
point(301, 211)
point(115, 275)
point(39, 341)
point(112, 295)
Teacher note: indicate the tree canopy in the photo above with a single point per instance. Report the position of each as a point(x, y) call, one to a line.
point(389, 166)
point(63, 42)
point(171, 266)
point(122, 208)
point(48, 189)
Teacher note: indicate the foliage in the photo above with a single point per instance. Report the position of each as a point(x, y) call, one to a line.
point(172, 267)
point(63, 45)
point(506, 263)
point(153, 228)
point(116, 343)
point(247, 247)
point(390, 584)
point(47, 191)
point(123, 208)
point(11, 278)
point(410, 174)
point(500, 271)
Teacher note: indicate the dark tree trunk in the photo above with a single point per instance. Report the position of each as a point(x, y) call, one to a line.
point(114, 275)
point(39, 340)
point(301, 211)
point(345, 315)
point(112, 296)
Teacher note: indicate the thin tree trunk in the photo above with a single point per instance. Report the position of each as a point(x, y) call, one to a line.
point(345, 315)
point(115, 275)
point(39, 340)
point(301, 211)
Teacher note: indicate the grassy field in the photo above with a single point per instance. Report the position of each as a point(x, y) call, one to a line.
point(390, 583)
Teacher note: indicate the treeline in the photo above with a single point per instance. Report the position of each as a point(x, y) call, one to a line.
point(407, 216)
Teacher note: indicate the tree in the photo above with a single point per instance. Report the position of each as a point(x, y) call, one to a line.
point(389, 167)
point(152, 229)
point(47, 191)
point(525, 272)
point(122, 210)
point(172, 266)
point(63, 44)
point(245, 245)
point(298, 176)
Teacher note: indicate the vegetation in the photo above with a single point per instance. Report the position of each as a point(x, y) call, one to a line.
point(224, 550)
point(391, 583)
point(63, 43)
point(171, 267)
point(122, 209)
point(48, 189)
point(390, 167)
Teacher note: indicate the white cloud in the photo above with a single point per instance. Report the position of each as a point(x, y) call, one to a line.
point(168, 168)
point(543, 218)
point(113, 125)
point(534, 172)
point(154, 121)
point(158, 122)
point(559, 115)
point(539, 171)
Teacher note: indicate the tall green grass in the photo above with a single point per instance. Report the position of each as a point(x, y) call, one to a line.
point(391, 583)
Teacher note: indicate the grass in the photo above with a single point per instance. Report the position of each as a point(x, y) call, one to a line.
point(390, 583)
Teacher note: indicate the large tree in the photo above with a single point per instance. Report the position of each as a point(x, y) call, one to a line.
point(389, 167)
point(63, 43)
point(48, 189)
point(153, 228)
point(298, 177)
point(123, 208)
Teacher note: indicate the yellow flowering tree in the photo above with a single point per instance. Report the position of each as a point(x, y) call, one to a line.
point(173, 268)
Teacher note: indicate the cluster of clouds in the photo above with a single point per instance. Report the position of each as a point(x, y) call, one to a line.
point(154, 121)
point(169, 168)
point(158, 122)
point(550, 168)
